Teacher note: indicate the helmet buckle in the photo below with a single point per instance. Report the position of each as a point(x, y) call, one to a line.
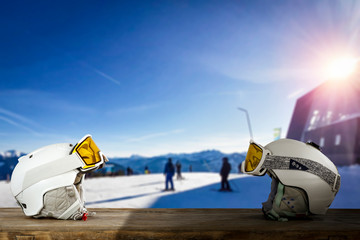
point(335, 188)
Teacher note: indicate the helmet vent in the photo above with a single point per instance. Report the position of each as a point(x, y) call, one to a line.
point(314, 145)
point(31, 156)
point(23, 205)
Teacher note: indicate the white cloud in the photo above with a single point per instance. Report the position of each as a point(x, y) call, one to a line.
point(133, 109)
point(101, 73)
point(295, 93)
point(20, 121)
point(232, 93)
point(159, 144)
point(226, 144)
point(16, 124)
point(16, 116)
point(106, 76)
point(154, 135)
point(39, 128)
point(36, 99)
point(260, 70)
point(268, 74)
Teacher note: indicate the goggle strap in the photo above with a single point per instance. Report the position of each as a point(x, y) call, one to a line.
point(303, 164)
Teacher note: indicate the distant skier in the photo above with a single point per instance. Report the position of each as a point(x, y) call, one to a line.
point(129, 171)
point(147, 171)
point(178, 170)
point(224, 173)
point(169, 173)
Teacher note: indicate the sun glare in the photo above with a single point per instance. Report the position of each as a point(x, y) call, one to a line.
point(341, 68)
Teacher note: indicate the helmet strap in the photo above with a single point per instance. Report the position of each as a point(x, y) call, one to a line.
point(285, 202)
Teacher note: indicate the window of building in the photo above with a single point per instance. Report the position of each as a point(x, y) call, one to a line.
point(322, 142)
point(337, 139)
point(313, 120)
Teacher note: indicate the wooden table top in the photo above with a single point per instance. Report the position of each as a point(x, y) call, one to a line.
point(110, 223)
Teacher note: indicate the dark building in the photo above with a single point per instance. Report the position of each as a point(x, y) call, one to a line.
point(329, 115)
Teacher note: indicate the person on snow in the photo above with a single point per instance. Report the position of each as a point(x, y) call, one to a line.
point(169, 172)
point(224, 173)
point(178, 170)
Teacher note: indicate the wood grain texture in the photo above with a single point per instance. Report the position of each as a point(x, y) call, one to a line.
point(180, 224)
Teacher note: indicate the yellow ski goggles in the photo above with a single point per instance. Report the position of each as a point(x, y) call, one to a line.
point(255, 158)
point(89, 153)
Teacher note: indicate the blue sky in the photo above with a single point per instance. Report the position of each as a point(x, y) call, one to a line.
point(153, 77)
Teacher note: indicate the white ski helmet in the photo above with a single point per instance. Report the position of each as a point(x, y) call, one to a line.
point(304, 180)
point(47, 182)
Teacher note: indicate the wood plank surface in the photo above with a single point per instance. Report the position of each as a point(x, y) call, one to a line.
point(181, 224)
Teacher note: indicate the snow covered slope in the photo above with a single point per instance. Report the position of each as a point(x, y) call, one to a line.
point(196, 190)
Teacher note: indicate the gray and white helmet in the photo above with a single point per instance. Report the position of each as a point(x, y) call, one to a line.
point(305, 181)
point(48, 181)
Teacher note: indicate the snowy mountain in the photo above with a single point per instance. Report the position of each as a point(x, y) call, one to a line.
point(11, 154)
point(8, 161)
point(205, 161)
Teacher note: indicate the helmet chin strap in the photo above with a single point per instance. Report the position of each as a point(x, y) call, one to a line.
point(65, 203)
point(285, 202)
point(75, 211)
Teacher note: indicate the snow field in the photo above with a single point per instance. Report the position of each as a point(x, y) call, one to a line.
point(143, 191)
point(196, 190)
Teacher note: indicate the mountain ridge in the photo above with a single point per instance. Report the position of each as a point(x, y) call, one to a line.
point(202, 161)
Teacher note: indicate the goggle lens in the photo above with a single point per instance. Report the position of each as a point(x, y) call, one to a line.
point(88, 151)
point(253, 157)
